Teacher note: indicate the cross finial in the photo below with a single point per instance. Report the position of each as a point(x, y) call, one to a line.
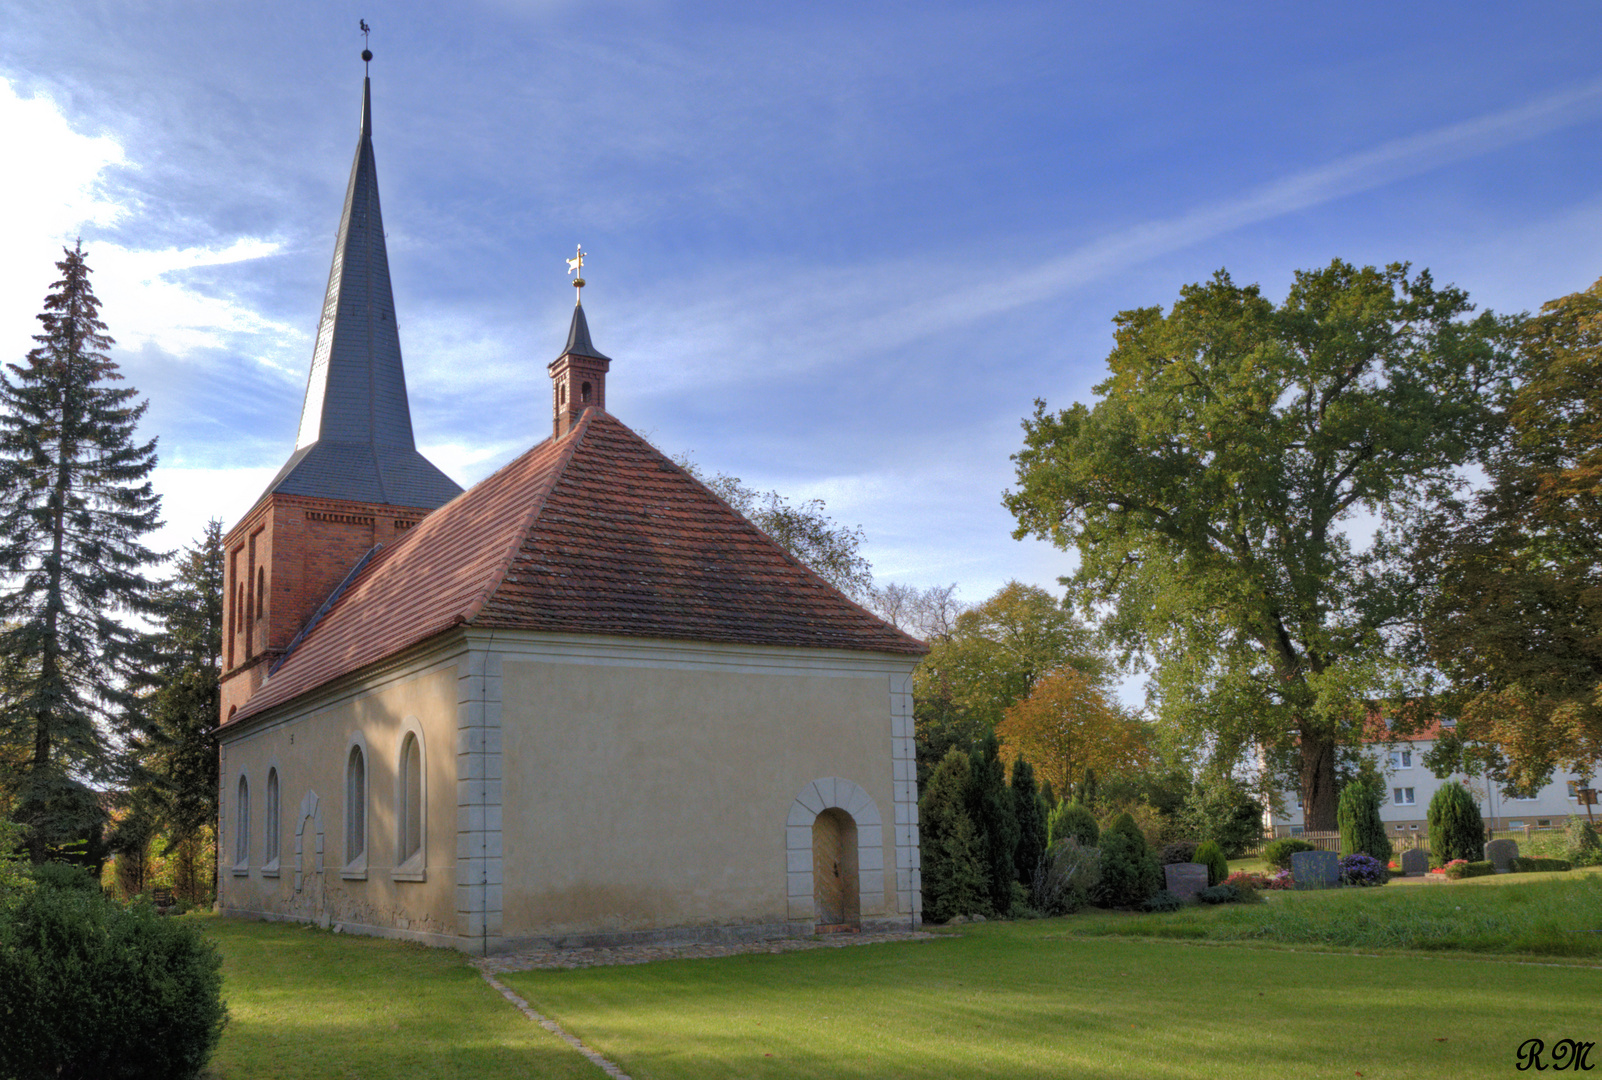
point(575, 266)
point(367, 54)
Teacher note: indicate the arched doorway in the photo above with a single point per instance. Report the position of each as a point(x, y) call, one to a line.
point(835, 889)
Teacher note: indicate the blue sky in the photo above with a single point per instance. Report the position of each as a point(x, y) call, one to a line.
point(835, 250)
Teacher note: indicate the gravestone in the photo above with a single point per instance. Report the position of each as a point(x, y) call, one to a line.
point(1501, 853)
point(1316, 869)
point(1415, 861)
point(1186, 879)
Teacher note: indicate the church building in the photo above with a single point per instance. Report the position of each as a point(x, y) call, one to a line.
point(582, 702)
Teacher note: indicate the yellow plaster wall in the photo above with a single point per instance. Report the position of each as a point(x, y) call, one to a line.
point(645, 797)
point(310, 753)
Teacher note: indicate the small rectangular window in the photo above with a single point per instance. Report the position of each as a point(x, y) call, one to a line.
point(1574, 790)
point(1407, 796)
point(1396, 796)
point(1543, 823)
point(1413, 827)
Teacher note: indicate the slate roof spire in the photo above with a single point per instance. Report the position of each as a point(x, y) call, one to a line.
point(355, 440)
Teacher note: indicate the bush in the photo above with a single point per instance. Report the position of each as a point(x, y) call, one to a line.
point(1280, 879)
point(1219, 894)
point(1180, 851)
point(1358, 815)
point(1211, 855)
point(1363, 869)
point(56, 875)
point(1073, 819)
point(95, 989)
point(1456, 829)
point(1463, 868)
point(1030, 810)
point(1125, 824)
point(1524, 865)
point(1584, 847)
point(1221, 809)
point(1067, 877)
point(1162, 900)
point(1128, 873)
point(1279, 852)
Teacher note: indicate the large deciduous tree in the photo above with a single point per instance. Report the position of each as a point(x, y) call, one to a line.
point(1516, 620)
point(1069, 724)
point(1209, 491)
point(75, 503)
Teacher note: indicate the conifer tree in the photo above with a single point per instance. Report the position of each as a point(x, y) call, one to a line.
point(77, 502)
point(953, 872)
point(1030, 810)
point(1358, 815)
point(990, 807)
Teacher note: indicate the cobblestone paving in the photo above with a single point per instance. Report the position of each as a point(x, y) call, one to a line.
point(557, 959)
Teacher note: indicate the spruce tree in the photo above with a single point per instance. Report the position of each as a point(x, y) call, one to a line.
point(1358, 815)
point(1030, 810)
point(1456, 829)
point(177, 750)
point(77, 502)
point(953, 872)
point(990, 806)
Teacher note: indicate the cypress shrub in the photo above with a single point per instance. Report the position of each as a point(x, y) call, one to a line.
point(1129, 874)
point(1583, 846)
point(1030, 811)
point(1180, 851)
point(953, 873)
point(1279, 852)
point(1073, 819)
point(1456, 829)
point(1212, 856)
point(1125, 823)
point(90, 988)
point(990, 807)
point(1358, 816)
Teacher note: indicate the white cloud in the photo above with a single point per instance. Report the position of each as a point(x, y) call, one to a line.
point(192, 497)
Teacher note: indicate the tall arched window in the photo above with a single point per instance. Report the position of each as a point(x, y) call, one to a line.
point(261, 592)
point(411, 798)
point(270, 840)
point(356, 812)
point(242, 828)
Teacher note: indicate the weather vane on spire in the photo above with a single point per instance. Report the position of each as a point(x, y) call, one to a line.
point(367, 54)
point(575, 266)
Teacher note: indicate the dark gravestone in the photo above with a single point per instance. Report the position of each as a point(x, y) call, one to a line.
point(1186, 879)
point(1501, 853)
point(1315, 869)
point(1415, 861)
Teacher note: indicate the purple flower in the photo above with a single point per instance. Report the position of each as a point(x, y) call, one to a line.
point(1363, 870)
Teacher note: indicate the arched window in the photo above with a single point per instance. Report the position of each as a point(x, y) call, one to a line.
point(270, 840)
point(411, 799)
point(261, 592)
point(242, 828)
point(585, 389)
point(356, 811)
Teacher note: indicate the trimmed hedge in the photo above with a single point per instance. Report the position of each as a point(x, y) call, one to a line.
point(1211, 856)
point(1523, 865)
point(1279, 852)
point(1464, 869)
point(90, 988)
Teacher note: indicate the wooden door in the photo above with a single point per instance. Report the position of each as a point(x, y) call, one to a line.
point(834, 869)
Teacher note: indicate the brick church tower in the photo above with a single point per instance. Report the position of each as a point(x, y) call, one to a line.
point(355, 480)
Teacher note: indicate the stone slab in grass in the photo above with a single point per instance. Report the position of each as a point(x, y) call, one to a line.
point(1315, 869)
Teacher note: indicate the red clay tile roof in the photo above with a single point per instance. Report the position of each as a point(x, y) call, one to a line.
point(595, 533)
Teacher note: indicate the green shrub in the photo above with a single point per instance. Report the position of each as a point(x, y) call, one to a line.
point(56, 875)
point(1128, 873)
point(1584, 847)
point(990, 807)
point(1358, 816)
point(1162, 900)
point(1180, 851)
point(1219, 894)
point(1222, 809)
point(1030, 810)
point(1073, 819)
point(1125, 823)
point(1462, 868)
point(1525, 865)
point(1067, 877)
point(91, 988)
point(1211, 855)
point(1456, 829)
point(953, 870)
point(1279, 852)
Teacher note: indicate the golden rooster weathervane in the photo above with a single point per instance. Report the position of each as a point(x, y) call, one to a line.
point(575, 266)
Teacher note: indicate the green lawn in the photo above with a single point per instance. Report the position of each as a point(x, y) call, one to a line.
point(306, 1003)
point(1053, 998)
point(1022, 1000)
point(1536, 915)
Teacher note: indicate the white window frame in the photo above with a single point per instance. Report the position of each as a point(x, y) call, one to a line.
point(1404, 796)
point(414, 867)
point(242, 826)
point(1402, 759)
point(355, 868)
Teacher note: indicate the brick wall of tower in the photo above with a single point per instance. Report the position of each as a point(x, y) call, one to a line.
point(280, 563)
point(569, 376)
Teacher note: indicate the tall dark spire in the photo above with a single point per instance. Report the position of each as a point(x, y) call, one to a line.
point(355, 438)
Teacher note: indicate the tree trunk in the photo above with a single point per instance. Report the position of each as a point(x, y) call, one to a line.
point(1318, 782)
